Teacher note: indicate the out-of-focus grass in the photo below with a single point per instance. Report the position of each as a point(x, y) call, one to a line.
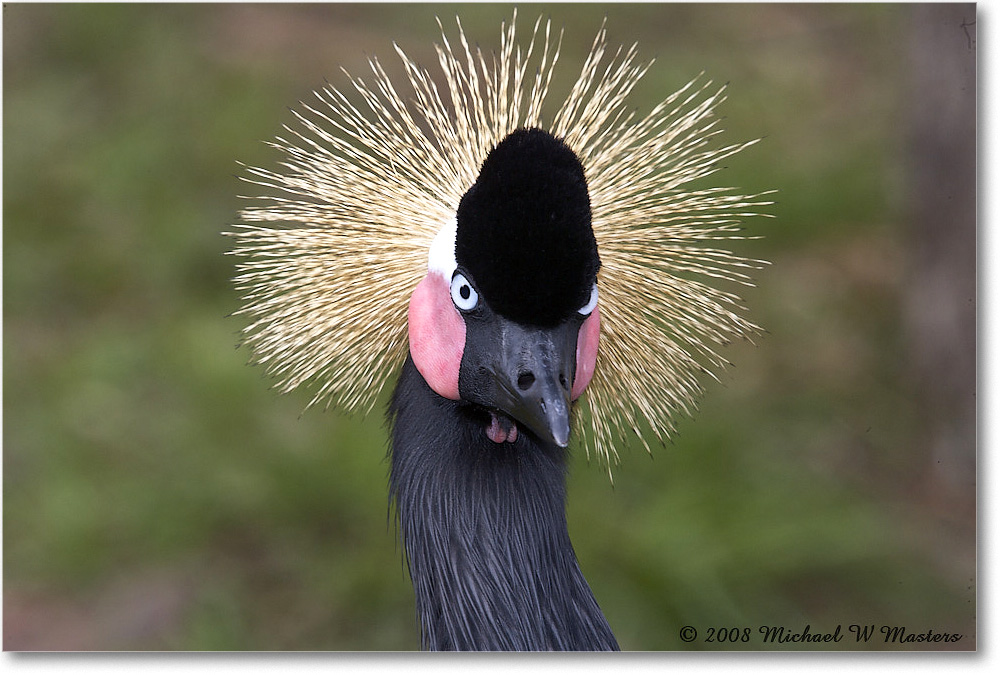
point(157, 493)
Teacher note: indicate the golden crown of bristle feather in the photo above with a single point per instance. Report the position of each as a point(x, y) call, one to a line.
point(365, 187)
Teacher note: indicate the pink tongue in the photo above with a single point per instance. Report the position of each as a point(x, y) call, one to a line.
point(501, 429)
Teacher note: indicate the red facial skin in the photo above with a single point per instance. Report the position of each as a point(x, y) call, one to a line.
point(586, 352)
point(437, 341)
point(437, 335)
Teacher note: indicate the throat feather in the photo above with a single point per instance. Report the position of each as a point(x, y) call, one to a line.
point(484, 529)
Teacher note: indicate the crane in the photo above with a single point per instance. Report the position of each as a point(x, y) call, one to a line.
point(517, 276)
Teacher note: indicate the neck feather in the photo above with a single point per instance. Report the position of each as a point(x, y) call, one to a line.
point(484, 528)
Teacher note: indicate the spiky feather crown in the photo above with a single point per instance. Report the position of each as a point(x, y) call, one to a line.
point(365, 188)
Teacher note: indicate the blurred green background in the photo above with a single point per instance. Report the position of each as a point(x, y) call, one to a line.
point(157, 494)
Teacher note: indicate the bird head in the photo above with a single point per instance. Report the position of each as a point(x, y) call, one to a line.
point(503, 311)
point(507, 316)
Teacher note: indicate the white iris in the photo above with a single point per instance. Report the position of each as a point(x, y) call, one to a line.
point(463, 294)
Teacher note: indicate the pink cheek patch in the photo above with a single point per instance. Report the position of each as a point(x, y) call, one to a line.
point(437, 335)
point(586, 352)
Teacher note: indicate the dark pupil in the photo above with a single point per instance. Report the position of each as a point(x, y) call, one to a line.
point(465, 291)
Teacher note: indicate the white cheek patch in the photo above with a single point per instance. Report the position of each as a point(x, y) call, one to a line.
point(441, 258)
point(436, 328)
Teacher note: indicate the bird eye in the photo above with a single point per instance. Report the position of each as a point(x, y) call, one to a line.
point(463, 294)
point(591, 304)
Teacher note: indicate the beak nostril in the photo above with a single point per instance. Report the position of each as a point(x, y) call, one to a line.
point(562, 380)
point(525, 380)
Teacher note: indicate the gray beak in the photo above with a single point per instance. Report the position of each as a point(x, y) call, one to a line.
point(527, 374)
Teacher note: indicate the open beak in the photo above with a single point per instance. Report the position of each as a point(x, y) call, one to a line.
point(527, 374)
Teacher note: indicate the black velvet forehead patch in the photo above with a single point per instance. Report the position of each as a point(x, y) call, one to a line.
point(524, 230)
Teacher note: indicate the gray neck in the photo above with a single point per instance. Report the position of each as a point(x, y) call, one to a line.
point(484, 528)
